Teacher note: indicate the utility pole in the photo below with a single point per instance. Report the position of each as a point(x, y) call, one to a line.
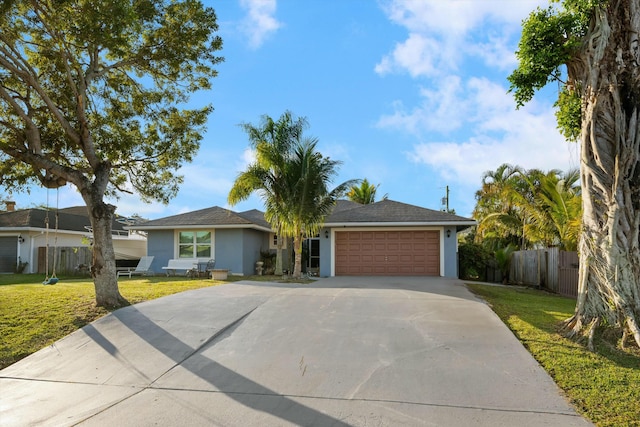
point(445, 201)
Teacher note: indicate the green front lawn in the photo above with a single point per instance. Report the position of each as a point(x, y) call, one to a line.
point(33, 315)
point(604, 386)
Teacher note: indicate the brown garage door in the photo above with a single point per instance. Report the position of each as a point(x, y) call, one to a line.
point(388, 253)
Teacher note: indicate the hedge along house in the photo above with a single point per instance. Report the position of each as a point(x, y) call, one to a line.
point(386, 238)
point(24, 238)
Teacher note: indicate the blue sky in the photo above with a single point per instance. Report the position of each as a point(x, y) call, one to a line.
point(410, 94)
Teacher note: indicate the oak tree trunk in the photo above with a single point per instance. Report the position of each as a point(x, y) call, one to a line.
point(606, 73)
point(103, 266)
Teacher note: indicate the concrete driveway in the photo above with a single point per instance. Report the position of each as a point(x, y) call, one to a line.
point(339, 352)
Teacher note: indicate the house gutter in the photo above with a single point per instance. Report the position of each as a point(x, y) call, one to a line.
point(458, 224)
point(199, 227)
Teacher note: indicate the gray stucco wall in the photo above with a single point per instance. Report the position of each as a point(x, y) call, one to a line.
point(253, 241)
point(236, 250)
point(160, 245)
point(228, 250)
point(325, 253)
point(450, 255)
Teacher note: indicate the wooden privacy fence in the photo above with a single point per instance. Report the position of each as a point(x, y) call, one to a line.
point(69, 260)
point(549, 268)
point(568, 274)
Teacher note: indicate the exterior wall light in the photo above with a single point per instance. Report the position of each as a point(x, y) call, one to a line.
point(448, 233)
point(326, 234)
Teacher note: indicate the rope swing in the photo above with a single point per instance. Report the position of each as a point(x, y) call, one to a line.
point(51, 280)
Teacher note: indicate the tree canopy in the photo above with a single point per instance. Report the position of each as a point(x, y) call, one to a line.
point(273, 142)
point(93, 93)
point(292, 178)
point(364, 192)
point(528, 208)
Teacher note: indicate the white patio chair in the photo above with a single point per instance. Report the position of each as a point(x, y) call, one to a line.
point(143, 267)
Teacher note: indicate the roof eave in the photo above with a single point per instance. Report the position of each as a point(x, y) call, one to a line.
point(466, 224)
point(198, 227)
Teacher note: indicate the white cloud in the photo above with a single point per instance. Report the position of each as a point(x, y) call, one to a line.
point(248, 157)
point(441, 32)
point(496, 53)
point(260, 21)
point(202, 180)
point(419, 55)
point(496, 132)
point(442, 109)
point(456, 16)
point(527, 138)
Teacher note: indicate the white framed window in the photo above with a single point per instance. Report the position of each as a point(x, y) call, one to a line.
point(194, 244)
point(273, 241)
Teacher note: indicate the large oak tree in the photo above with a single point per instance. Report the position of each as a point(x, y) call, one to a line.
point(592, 48)
point(93, 93)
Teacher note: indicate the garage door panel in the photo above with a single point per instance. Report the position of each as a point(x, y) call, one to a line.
point(407, 252)
point(406, 270)
point(379, 259)
point(8, 254)
point(379, 270)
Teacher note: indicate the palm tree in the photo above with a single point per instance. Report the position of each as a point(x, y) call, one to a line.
point(499, 209)
point(559, 209)
point(291, 178)
point(308, 199)
point(528, 208)
point(365, 193)
point(273, 142)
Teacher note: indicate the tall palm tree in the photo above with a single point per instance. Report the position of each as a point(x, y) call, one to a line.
point(308, 197)
point(273, 142)
point(291, 178)
point(365, 193)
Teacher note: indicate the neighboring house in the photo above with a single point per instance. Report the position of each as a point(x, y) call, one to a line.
point(385, 238)
point(23, 238)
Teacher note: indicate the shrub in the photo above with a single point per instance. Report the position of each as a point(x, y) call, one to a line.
point(473, 260)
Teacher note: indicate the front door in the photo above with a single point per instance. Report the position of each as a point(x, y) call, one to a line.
point(313, 258)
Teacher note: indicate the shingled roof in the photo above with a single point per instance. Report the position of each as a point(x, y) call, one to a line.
point(345, 212)
point(69, 219)
point(392, 212)
point(209, 217)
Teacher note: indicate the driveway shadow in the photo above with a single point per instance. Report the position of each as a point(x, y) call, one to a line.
point(216, 374)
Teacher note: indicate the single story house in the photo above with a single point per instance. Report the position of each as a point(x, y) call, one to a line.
point(385, 238)
point(24, 239)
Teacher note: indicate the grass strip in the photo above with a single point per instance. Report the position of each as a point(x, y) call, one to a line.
point(604, 385)
point(33, 316)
